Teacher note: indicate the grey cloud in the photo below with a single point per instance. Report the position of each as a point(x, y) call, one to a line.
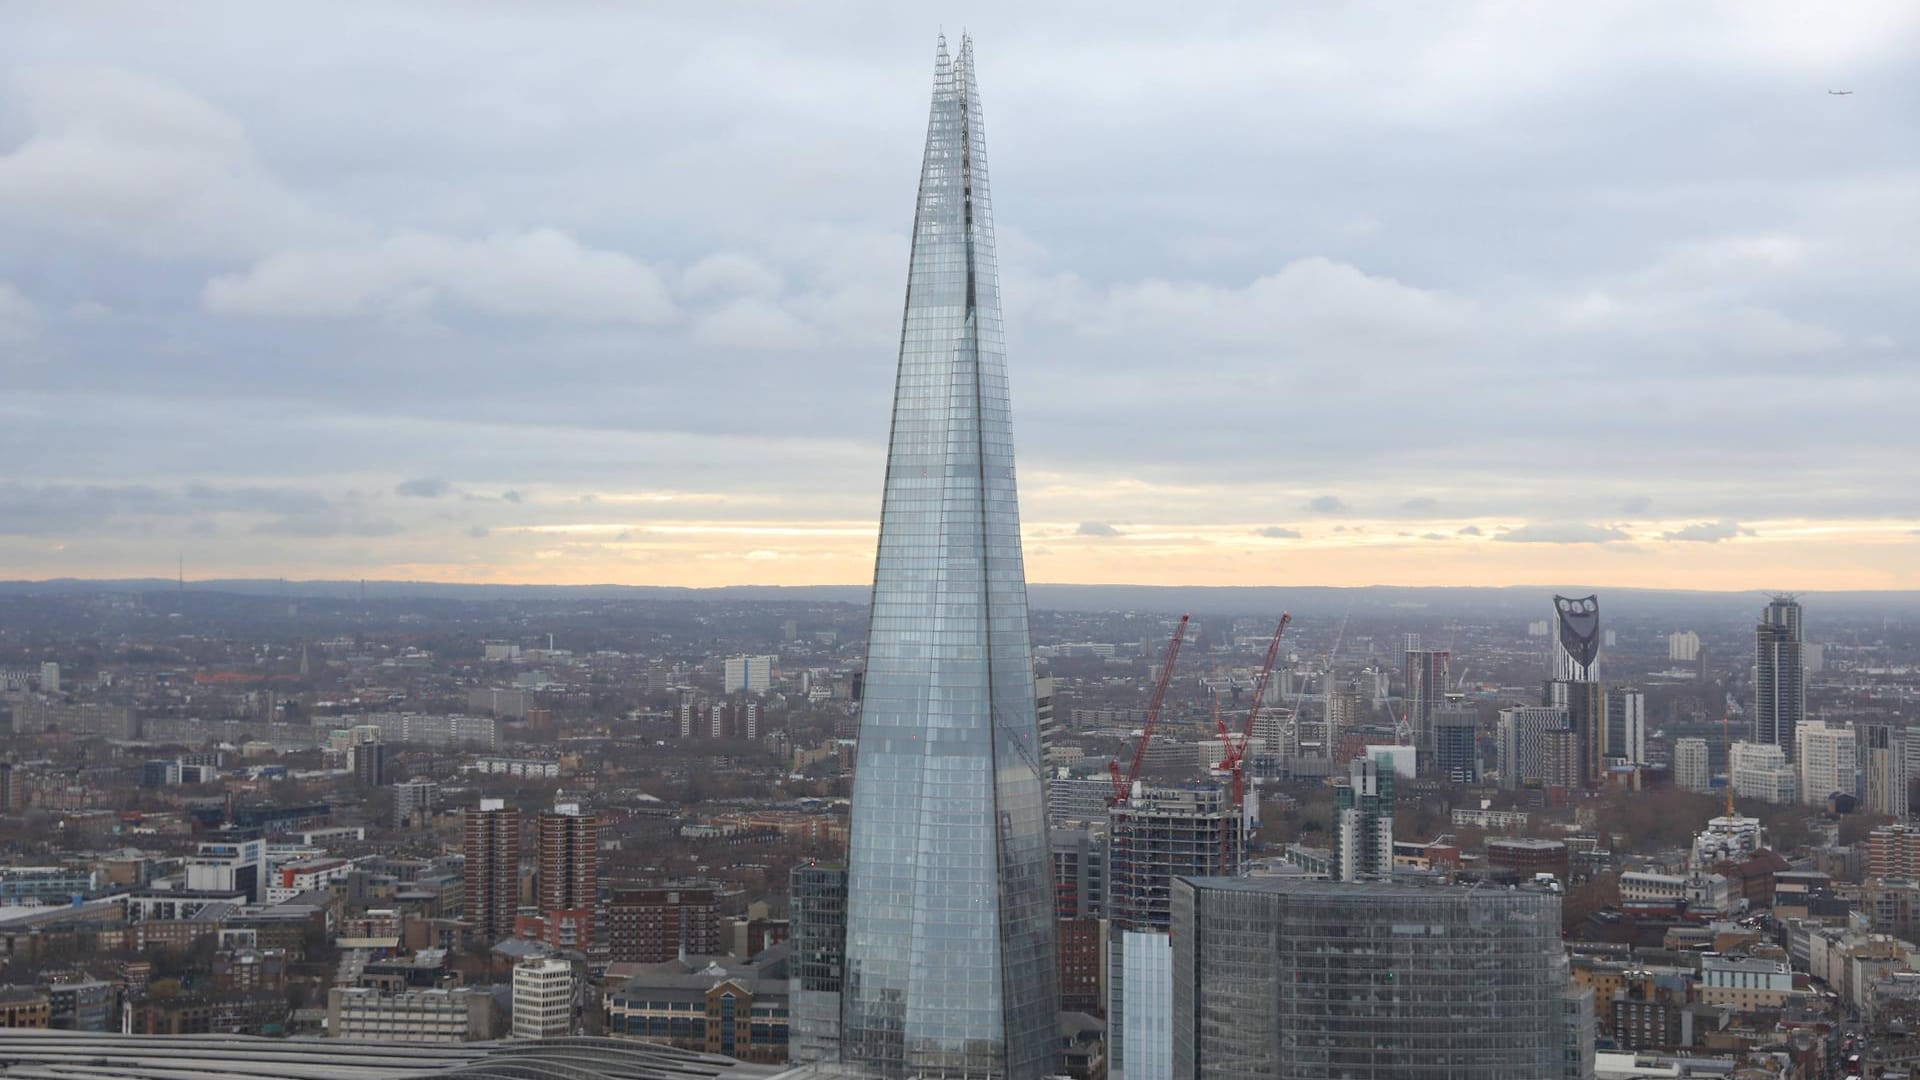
point(19, 318)
point(1470, 530)
point(479, 532)
point(1311, 297)
point(423, 488)
point(1276, 532)
point(64, 508)
point(1562, 533)
point(733, 273)
point(1419, 503)
point(124, 158)
point(330, 524)
point(510, 496)
point(1636, 504)
point(541, 273)
point(1433, 536)
point(1096, 528)
point(441, 343)
point(1327, 504)
point(1708, 532)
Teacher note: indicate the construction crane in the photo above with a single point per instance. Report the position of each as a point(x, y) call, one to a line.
point(1234, 753)
point(1339, 636)
point(1123, 786)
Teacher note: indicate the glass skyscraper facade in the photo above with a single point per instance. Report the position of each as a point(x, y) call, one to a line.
point(1779, 684)
point(949, 950)
point(1291, 979)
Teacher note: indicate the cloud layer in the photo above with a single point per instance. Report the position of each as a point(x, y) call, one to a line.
point(512, 314)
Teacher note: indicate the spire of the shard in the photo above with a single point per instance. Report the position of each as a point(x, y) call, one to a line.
point(949, 954)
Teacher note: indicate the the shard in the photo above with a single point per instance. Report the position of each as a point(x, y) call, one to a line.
point(949, 948)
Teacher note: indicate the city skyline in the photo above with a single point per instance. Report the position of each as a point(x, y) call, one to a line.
point(605, 296)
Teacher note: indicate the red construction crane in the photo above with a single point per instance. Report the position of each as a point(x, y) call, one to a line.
point(1235, 752)
point(1122, 786)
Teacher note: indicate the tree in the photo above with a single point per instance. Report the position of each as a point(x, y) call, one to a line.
point(1600, 891)
point(1855, 827)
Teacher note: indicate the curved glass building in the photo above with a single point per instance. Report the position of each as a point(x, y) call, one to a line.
point(949, 947)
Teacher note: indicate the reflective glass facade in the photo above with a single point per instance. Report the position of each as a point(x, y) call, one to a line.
point(949, 955)
point(1314, 980)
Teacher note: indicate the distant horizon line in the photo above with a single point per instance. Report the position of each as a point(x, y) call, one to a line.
point(354, 582)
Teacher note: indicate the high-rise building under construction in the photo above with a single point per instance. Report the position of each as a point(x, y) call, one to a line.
point(1158, 834)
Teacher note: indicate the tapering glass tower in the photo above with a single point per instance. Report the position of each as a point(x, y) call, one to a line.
point(950, 964)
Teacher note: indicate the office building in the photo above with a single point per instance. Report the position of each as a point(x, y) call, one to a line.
point(236, 865)
point(568, 842)
point(10, 794)
point(817, 916)
point(53, 885)
point(714, 1004)
point(1081, 947)
point(651, 924)
point(1426, 691)
point(1044, 719)
point(1883, 768)
point(1157, 835)
point(1761, 771)
point(1522, 858)
point(24, 1007)
point(1893, 851)
point(50, 678)
point(421, 729)
point(1586, 705)
point(1363, 821)
point(369, 764)
point(1576, 639)
point(1076, 799)
point(950, 959)
point(1828, 761)
point(1456, 753)
point(1683, 646)
point(364, 1014)
point(414, 802)
point(1079, 873)
point(1560, 759)
point(1345, 708)
point(89, 1005)
point(750, 674)
point(1626, 725)
point(543, 996)
point(1748, 983)
point(1520, 732)
point(1726, 839)
point(492, 871)
point(1304, 980)
point(1779, 683)
point(1692, 769)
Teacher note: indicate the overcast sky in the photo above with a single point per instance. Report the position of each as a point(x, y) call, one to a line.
point(1317, 293)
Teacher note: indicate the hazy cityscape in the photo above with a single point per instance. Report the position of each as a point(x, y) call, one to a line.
point(429, 702)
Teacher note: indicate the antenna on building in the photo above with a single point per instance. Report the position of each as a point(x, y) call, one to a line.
point(183, 572)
